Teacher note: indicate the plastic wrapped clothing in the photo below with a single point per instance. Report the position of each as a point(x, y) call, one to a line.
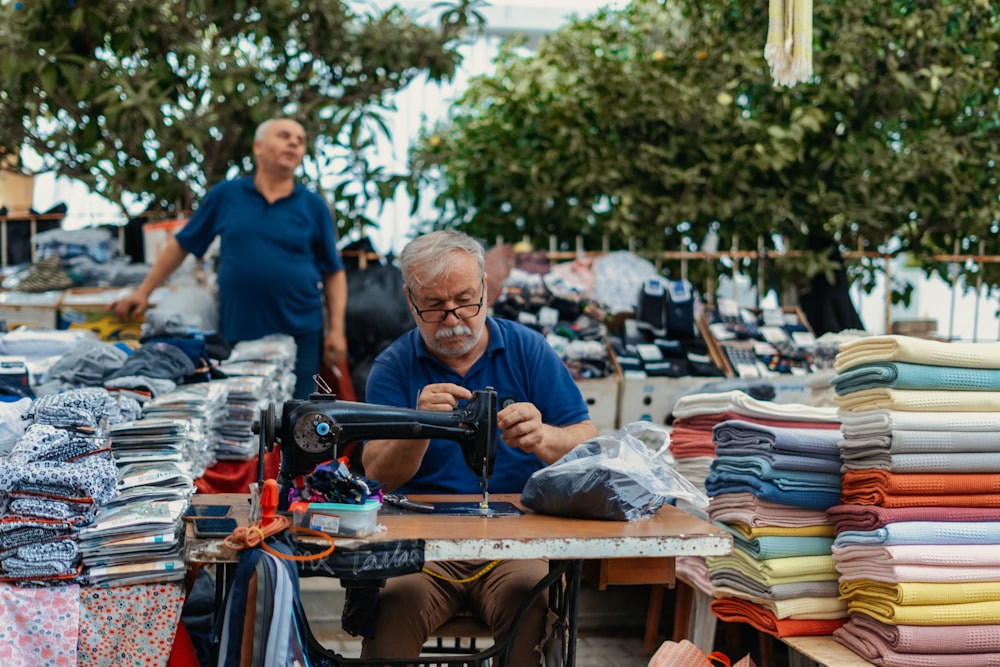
point(616, 477)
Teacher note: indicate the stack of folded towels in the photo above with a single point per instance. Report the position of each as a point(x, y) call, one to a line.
point(918, 534)
point(776, 470)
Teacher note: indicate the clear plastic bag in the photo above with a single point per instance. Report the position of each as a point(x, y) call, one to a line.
point(624, 476)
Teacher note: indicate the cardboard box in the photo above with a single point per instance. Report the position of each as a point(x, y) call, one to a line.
point(88, 308)
point(155, 236)
point(29, 309)
point(603, 396)
point(652, 398)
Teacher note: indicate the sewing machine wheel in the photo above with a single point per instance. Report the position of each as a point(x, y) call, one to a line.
point(266, 428)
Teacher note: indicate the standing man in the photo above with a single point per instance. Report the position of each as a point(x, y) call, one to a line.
point(455, 349)
point(278, 262)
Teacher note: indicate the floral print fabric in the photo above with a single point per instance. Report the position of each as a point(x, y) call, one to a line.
point(128, 626)
point(39, 626)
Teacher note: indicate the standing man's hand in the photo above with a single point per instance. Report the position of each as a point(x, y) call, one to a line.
point(335, 348)
point(131, 306)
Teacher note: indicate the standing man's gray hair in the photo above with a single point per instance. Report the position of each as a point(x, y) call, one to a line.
point(261, 130)
point(424, 259)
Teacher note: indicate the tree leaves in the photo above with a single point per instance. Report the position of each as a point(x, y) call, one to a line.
point(658, 123)
point(138, 97)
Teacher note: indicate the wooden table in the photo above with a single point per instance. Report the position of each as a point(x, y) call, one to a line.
point(823, 651)
point(669, 533)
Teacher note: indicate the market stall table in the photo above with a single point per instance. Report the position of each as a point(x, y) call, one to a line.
point(669, 533)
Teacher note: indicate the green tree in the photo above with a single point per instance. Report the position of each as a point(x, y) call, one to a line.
point(659, 123)
point(159, 98)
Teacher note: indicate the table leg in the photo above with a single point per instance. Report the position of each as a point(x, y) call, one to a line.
point(682, 610)
point(654, 611)
point(573, 579)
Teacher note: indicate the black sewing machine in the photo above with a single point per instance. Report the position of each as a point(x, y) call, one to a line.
point(313, 431)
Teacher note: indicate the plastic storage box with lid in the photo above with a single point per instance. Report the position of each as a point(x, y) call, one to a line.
point(341, 519)
point(30, 309)
point(89, 308)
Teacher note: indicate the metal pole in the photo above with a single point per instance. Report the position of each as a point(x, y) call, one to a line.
point(954, 289)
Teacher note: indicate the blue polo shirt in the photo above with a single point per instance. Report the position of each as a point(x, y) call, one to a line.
point(272, 257)
point(519, 363)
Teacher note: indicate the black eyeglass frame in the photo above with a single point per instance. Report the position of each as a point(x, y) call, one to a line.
point(446, 311)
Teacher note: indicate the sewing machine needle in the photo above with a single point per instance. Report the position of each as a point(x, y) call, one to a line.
point(484, 504)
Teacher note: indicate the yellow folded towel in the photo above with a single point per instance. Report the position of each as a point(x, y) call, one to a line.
point(917, 351)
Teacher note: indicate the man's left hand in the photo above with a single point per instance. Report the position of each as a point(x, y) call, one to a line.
point(521, 426)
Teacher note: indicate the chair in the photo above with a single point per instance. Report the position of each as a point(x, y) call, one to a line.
point(448, 638)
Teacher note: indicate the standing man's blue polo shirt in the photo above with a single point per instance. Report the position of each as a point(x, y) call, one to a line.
point(519, 364)
point(272, 257)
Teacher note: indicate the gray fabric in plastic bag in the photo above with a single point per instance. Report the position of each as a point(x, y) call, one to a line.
point(614, 477)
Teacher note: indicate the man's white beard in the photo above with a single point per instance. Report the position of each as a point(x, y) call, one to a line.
point(455, 349)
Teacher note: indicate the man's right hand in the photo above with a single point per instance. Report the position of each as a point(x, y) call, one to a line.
point(131, 306)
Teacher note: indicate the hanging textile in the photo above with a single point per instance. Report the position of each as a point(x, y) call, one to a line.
point(789, 41)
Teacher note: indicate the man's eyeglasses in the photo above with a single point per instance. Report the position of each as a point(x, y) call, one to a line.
point(438, 315)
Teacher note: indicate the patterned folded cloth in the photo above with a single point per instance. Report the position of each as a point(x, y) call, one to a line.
point(44, 559)
point(918, 400)
point(733, 610)
point(18, 531)
point(912, 593)
point(747, 508)
point(930, 639)
point(76, 511)
point(43, 442)
point(888, 489)
point(90, 477)
point(874, 648)
point(869, 517)
point(901, 375)
point(974, 555)
point(874, 349)
point(85, 407)
point(924, 532)
point(883, 421)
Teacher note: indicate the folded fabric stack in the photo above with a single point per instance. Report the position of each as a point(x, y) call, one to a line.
point(775, 472)
point(696, 415)
point(58, 475)
point(205, 406)
point(917, 542)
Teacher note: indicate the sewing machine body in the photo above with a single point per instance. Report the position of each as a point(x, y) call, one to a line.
point(316, 430)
